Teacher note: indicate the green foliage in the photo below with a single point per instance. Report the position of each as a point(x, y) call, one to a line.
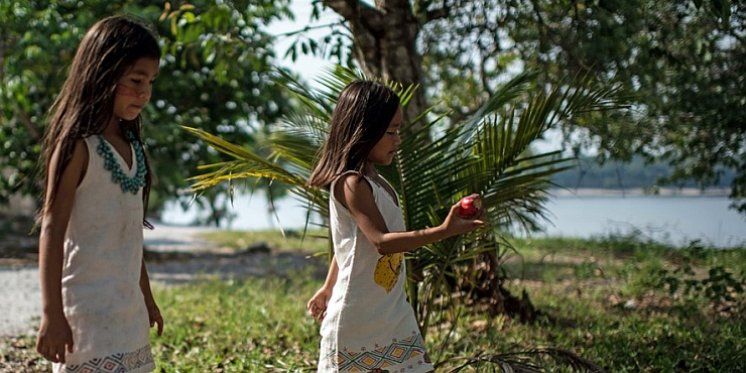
point(719, 287)
point(236, 326)
point(214, 75)
point(680, 62)
point(336, 44)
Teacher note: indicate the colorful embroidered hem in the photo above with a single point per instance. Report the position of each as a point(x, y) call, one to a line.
point(116, 363)
point(398, 352)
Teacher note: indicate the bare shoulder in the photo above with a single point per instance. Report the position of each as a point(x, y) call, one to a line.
point(351, 187)
point(79, 158)
point(75, 166)
point(80, 152)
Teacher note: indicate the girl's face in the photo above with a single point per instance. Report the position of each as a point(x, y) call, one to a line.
point(134, 88)
point(385, 149)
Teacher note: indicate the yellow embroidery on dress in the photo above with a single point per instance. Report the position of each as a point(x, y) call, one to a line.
point(387, 270)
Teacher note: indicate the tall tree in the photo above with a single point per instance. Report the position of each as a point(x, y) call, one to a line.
point(680, 61)
point(384, 40)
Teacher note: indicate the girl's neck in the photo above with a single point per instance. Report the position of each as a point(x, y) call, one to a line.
point(113, 129)
point(370, 169)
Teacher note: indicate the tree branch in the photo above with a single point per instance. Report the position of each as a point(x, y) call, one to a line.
point(309, 28)
point(358, 13)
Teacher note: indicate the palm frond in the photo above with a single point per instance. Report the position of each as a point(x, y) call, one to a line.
point(335, 79)
point(316, 129)
point(488, 153)
point(313, 103)
point(293, 148)
point(504, 95)
point(247, 164)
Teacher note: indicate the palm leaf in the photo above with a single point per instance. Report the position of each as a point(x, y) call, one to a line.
point(488, 153)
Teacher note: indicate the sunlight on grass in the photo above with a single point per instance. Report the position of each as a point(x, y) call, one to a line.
point(252, 325)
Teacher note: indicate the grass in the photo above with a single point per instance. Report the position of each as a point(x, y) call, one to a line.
point(595, 296)
point(601, 299)
point(251, 325)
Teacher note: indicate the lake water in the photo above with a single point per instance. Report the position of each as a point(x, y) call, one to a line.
point(670, 219)
point(674, 219)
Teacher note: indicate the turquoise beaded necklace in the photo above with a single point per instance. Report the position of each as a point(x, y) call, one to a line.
point(128, 184)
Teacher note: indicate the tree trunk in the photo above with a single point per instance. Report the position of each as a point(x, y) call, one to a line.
point(384, 43)
point(491, 290)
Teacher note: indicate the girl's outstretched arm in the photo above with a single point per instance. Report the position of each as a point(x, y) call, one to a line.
point(357, 195)
point(317, 304)
point(54, 330)
point(154, 313)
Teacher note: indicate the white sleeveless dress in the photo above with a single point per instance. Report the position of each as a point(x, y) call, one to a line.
point(369, 323)
point(101, 294)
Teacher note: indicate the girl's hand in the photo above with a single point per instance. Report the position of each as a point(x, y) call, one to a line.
point(317, 304)
point(455, 225)
point(54, 335)
point(154, 315)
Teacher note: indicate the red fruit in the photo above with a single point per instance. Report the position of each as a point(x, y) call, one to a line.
point(469, 206)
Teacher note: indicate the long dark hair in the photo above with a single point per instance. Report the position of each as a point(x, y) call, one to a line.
point(360, 119)
point(85, 104)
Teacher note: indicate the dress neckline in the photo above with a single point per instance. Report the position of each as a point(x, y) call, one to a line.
point(122, 160)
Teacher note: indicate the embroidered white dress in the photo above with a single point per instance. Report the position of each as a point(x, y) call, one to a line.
point(369, 323)
point(101, 295)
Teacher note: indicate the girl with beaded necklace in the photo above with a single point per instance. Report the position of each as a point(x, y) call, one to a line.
point(97, 303)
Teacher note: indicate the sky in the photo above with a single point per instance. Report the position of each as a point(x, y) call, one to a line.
point(308, 67)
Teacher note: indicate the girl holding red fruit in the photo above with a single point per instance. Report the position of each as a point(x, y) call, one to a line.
point(367, 324)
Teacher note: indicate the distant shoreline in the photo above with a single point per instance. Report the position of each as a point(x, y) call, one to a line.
point(639, 192)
